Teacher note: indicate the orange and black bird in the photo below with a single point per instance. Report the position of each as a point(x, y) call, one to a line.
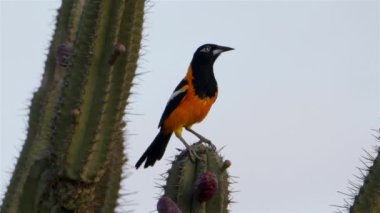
point(189, 104)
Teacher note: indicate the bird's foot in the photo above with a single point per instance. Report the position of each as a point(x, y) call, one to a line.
point(208, 142)
point(201, 138)
point(193, 154)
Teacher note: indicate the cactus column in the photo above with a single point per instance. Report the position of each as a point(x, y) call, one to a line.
point(73, 155)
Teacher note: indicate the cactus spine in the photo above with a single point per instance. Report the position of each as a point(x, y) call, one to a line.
point(200, 186)
point(73, 154)
point(367, 199)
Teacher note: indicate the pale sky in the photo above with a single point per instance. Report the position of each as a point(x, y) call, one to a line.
point(298, 96)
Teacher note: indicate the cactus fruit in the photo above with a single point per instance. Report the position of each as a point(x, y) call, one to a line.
point(73, 154)
point(166, 205)
point(206, 186)
point(200, 186)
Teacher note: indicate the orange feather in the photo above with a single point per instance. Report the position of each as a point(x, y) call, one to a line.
point(191, 110)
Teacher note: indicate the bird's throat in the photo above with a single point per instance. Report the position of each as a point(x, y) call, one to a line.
point(204, 81)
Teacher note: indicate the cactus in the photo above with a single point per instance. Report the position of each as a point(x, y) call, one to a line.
point(365, 197)
point(368, 195)
point(201, 186)
point(73, 154)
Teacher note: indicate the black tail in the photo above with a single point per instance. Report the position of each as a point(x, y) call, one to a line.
point(155, 151)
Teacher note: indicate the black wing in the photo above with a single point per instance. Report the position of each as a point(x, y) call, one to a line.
point(173, 101)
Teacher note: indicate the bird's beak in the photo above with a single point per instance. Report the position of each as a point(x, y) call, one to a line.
point(221, 49)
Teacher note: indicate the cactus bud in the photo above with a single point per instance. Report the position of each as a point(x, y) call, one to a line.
point(63, 53)
point(75, 113)
point(118, 49)
point(226, 165)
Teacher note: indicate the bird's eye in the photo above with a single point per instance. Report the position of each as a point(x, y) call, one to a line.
point(206, 49)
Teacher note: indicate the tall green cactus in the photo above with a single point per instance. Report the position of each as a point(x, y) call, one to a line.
point(367, 199)
point(73, 154)
point(196, 187)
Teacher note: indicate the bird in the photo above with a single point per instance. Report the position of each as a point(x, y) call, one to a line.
point(189, 104)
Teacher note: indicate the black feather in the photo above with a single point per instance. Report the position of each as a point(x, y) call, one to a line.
point(155, 151)
point(173, 103)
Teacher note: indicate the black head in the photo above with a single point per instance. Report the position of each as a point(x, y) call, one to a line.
point(208, 53)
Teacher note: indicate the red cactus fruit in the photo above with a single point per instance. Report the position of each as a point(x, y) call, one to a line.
point(206, 186)
point(166, 205)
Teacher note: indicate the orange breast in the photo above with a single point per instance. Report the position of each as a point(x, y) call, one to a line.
point(191, 110)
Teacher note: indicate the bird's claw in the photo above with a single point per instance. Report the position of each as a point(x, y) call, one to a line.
point(208, 142)
point(193, 155)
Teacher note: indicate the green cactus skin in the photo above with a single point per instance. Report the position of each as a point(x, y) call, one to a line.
point(368, 198)
point(182, 177)
point(73, 154)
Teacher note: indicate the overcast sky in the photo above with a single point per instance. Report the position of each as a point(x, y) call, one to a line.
point(297, 98)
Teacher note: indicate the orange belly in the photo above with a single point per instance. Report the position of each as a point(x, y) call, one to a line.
point(191, 110)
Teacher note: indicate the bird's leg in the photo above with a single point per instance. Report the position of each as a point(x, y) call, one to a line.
point(201, 138)
point(191, 151)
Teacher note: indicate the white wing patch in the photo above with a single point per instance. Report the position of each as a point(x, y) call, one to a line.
point(175, 93)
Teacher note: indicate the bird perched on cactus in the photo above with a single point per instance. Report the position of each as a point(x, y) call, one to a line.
point(189, 104)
